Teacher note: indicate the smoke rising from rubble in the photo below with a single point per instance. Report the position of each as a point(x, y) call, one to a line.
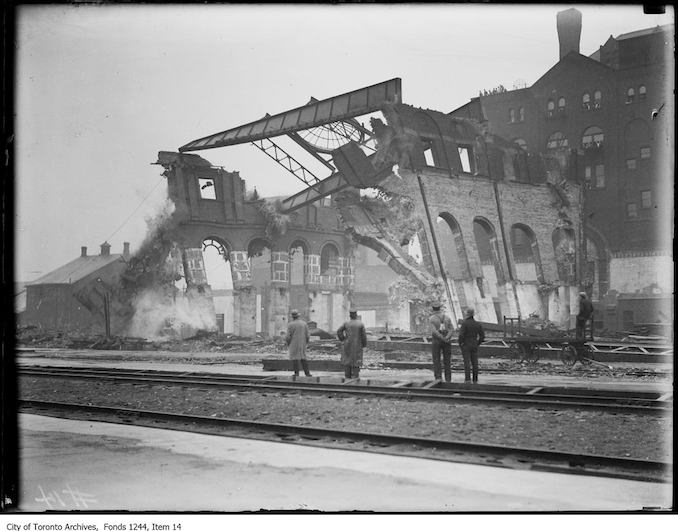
point(159, 314)
point(158, 308)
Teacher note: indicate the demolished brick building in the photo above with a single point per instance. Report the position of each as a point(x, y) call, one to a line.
point(456, 213)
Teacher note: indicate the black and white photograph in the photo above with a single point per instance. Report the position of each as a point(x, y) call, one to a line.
point(338, 258)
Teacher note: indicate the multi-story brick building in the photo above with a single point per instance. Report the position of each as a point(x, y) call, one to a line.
point(608, 119)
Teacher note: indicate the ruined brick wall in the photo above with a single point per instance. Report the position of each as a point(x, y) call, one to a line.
point(211, 203)
point(496, 290)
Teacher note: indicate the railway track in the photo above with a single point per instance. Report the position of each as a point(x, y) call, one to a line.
point(443, 449)
point(637, 402)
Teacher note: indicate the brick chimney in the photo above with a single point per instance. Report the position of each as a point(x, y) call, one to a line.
point(83, 251)
point(105, 249)
point(125, 249)
point(569, 31)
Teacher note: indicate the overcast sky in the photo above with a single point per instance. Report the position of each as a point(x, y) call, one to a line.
point(100, 90)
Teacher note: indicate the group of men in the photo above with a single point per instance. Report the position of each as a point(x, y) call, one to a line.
point(354, 338)
point(470, 336)
point(352, 334)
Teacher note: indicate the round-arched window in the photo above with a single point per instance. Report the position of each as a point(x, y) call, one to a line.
point(592, 137)
point(586, 101)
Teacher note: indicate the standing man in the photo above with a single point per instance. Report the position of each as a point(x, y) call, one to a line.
point(471, 335)
point(585, 313)
point(297, 339)
point(353, 334)
point(441, 332)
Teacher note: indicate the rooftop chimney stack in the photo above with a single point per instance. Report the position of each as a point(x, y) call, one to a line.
point(569, 31)
point(105, 249)
point(125, 249)
point(83, 251)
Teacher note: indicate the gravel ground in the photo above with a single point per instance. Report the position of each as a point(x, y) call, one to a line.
point(590, 432)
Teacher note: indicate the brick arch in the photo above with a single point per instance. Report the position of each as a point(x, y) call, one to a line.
point(488, 251)
point(461, 258)
point(534, 255)
point(218, 239)
point(261, 243)
point(327, 260)
point(303, 244)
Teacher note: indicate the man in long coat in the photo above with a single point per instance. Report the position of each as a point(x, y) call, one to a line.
point(471, 335)
point(353, 334)
point(297, 339)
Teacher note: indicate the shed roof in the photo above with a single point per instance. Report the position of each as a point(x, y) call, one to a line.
point(76, 269)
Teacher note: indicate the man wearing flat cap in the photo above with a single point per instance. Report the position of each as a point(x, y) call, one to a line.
point(354, 337)
point(297, 339)
point(585, 313)
point(441, 335)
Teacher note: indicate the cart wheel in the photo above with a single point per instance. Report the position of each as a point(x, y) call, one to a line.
point(523, 351)
point(533, 354)
point(513, 352)
point(568, 355)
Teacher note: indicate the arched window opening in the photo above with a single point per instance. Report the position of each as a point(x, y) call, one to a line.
point(488, 253)
point(586, 101)
point(556, 140)
point(525, 253)
point(630, 95)
point(521, 114)
point(564, 249)
point(259, 255)
point(597, 99)
point(592, 137)
point(452, 247)
point(329, 259)
point(550, 108)
point(217, 264)
point(298, 252)
point(512, 115)
point(642, 92)
point(561, 104)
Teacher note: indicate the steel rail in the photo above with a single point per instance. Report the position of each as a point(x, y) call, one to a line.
point(574, 461)
point(525, 397)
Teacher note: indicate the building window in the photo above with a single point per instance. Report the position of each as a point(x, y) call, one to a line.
point(521, 114)
point(645, 152)
point(631, 210)
point(207, 190)
point(642, 92)
point(557, 140)
point(521, 143)
point(586, 101)
point(428, 156)
point(465, 157)
point(326, 201)
point(600, 176)
point(597, 99)
point(550, 108)
point(512, 116)
point(645, 199)
point(592, 137)
point(630, 95)
point(587, 173)
point(561, 104)
point(631, 164)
